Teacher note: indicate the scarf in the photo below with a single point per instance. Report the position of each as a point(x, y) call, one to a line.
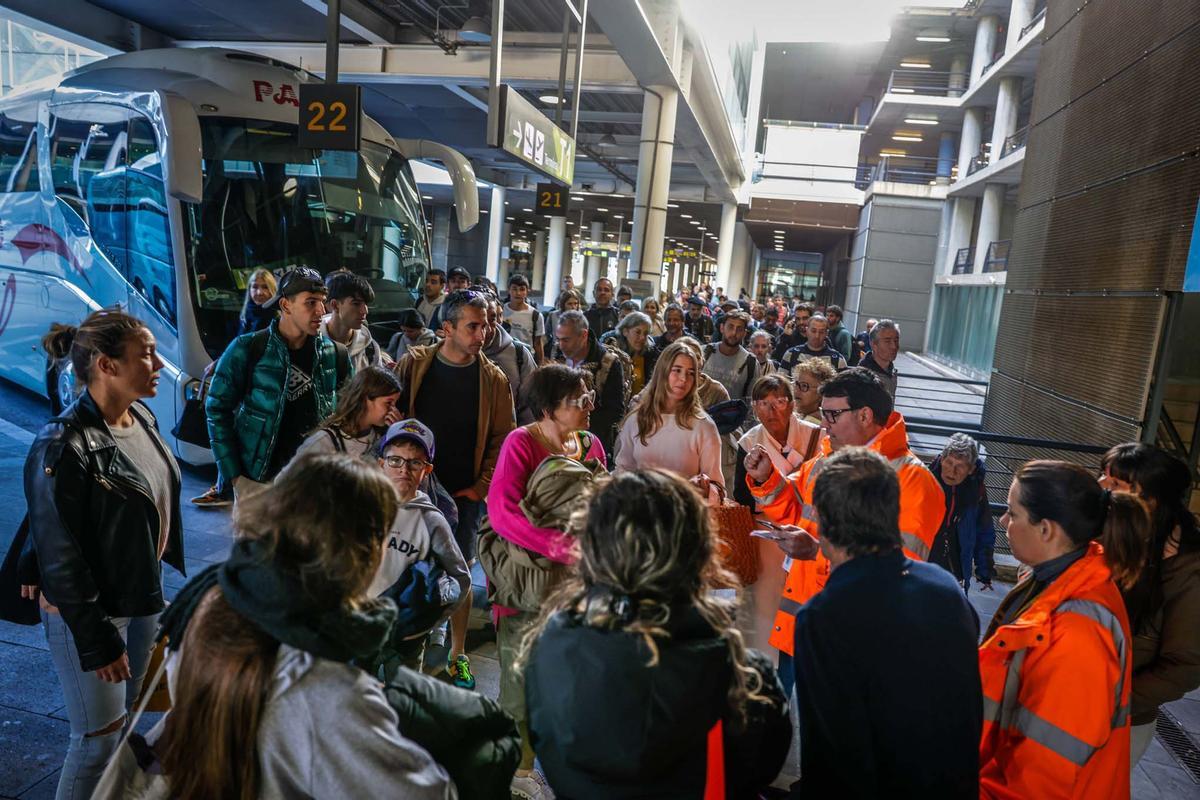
point(273, 598)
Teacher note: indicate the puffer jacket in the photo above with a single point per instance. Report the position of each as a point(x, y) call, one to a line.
point(244, 410)
point(94, 527)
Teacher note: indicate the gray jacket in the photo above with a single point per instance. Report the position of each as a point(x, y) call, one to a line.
point(516, 360)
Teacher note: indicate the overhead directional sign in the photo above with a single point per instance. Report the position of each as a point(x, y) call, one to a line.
point(533, 139)
point(330, 116)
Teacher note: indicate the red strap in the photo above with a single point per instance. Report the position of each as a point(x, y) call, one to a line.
point(714, 778)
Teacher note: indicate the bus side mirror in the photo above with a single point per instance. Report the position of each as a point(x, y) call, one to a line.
point(181, 149)
point(462, 176)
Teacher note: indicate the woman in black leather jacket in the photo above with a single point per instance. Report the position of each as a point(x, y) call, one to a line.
point(103, 495)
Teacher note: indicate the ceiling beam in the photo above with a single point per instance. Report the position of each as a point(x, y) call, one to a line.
point(86, 25)
point(361, 20)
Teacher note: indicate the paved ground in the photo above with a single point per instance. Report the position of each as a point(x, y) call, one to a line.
point(33, 726)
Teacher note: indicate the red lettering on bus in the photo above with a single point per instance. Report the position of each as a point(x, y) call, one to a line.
point(262, 89)
point(286, 94)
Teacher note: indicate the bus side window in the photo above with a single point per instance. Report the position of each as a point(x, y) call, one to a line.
point(148, 226)
point(18, 150)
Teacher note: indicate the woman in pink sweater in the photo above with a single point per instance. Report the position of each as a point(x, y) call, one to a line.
point(561, 404)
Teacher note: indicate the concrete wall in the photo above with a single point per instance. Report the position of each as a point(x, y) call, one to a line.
point(892, 264)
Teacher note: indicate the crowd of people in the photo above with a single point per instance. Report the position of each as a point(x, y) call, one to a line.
point(579, 455)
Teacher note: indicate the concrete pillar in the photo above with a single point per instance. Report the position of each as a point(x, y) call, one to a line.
point(659, 107)
point(960, 73)
point(555, 248)
point(496, 238)
point(985, 45)
point(671, 270)
point(725, 246)
point(1007, 104)
point(739, 268)
point(441, 235)
point(989, 222)
point(970, 139)
point(945, 160)
point(594, 263)
point(962, 214)
point(538, 268)
point(506, 259)
point(1018, 17)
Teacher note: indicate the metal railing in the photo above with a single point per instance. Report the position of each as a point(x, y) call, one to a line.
point(997, 256)
point(930, 83)
point(1015, 142)
point(978, 162)
point(963, 261)
point(904, 169)
point(1033, 22)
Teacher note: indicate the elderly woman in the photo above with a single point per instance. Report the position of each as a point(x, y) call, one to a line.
point(788, 438)
point(633, 337)
point(807, 379)
point(964, 543)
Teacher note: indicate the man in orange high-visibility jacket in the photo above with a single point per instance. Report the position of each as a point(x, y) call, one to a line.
point(852, 403)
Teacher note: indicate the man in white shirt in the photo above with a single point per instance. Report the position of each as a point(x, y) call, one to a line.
point(727, 362)
point(435, 293)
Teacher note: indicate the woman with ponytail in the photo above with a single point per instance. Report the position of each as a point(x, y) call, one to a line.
point(637, 683)
point(1055, 661)
point(1164, 604)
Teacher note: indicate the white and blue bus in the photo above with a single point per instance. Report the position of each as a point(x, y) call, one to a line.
point(160, 180)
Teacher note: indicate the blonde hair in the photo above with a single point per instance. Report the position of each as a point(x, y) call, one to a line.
point(653, 405)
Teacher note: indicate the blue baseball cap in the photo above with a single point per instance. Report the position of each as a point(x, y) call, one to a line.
point(408, 430)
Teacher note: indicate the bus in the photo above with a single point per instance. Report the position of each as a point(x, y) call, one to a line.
point(160, 180)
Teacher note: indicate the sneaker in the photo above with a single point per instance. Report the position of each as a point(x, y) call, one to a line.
point(531, 787)
point(212, 499)
point(460, 672)
point(437, 636)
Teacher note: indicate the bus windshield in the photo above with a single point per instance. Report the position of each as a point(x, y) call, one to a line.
point(270, 203)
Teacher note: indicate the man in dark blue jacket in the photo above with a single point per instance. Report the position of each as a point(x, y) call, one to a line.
point(874, 648)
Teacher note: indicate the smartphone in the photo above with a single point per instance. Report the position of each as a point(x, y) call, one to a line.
point(773, 535)
point(768, 524)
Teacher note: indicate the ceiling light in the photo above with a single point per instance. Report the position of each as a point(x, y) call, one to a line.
point(893, 151)
point(900, 90)
point(475, 29)
point(607, 140)
point(916, 64)
point(426, 197)
point(781, 232)
point(578, 197)
point(618, 216)
point(483, 211)
point(672, 205)
point(685, 216)
point(527, 210)
point(933, 35)
point(906, 137)
point(695, 222)
point(920, 121)
point(549, 99)
point(511, 219)
point(601, 209)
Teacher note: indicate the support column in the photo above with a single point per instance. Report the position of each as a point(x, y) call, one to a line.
point(671, 270)
point(985, 45)
point(945, 160)
point(960, 73)
point(538, 267)
point(1018, 17)
point(495, 233)
point(441, 236)
point(555, 245)
point(989, 222)
point(725, 246)
point(962, 214)
point(1005, 124)
point(506, 258)
point(739, 266)
point(594, 263)
point(659, 107)
point(969, 140)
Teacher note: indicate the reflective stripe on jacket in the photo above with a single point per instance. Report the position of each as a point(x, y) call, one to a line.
point(789, 501)
point(1056, 692)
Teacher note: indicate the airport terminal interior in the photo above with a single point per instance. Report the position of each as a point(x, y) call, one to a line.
point(372, 228)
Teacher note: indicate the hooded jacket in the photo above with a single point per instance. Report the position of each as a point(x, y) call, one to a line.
point(606, 725)
point(516, 359)
point(789, 501)
point(364, 350)
point(966, 540)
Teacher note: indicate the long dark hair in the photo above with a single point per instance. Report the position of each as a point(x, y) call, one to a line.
point(1165, 483)
point(1070, 495)
point(369, 383)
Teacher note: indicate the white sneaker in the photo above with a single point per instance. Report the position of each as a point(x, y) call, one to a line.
point(437, 636)
point(531, 787)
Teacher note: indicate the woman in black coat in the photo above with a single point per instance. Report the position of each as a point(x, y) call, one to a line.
point(637, 679)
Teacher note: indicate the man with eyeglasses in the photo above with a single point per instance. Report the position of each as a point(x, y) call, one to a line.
point(465, 401)
point(272, 387)
point(419, 532)
point(856, 411)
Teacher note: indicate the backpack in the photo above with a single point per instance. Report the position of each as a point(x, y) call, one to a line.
point(749, 366)
point(612, 355)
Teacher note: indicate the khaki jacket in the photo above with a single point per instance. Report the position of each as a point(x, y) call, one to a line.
point(496, 416)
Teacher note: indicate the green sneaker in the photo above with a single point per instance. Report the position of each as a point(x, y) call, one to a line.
point(460, 672)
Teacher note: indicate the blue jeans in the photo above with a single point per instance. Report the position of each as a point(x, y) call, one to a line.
point(93, 704)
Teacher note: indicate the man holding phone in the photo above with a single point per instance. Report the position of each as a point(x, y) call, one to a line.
point(856, 411)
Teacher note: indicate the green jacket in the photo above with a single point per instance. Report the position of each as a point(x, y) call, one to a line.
point(245, 401)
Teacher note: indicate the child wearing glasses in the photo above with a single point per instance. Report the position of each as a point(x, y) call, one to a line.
point(422, 569)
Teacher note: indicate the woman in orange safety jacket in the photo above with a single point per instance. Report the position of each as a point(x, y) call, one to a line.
point(1055, 662)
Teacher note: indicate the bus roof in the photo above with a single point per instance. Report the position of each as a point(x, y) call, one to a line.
point(217, 81)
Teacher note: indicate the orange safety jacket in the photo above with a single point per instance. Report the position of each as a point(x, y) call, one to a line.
point(1056, 684)
point(788, 501)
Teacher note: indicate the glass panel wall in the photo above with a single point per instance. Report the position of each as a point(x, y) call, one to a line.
point(963, 329)
point(792, 275)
